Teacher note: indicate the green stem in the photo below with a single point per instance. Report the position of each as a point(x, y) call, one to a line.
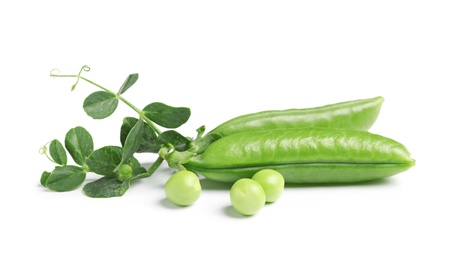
point(146, 119)
point(98, 85)
point(150, 123)
point(139, 111)
point(154, 166)
point(129, 104)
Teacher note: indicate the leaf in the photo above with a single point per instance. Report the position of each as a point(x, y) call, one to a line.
point(100, 104)
point(167, 116)
point(132, 78)
point(65, 178)
point(149, 141)
point(106, 187)
point(178, 141)
point(57, 152)
point(132, 142)
point(138, 170)
point(104, 161)
point(44, 176)
point(127, 125)
point(79, 144)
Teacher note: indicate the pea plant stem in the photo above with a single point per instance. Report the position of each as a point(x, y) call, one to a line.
point(155, 166)
point(146, 119)
point(139, 111)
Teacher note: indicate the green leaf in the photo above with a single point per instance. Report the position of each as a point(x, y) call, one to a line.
point(100, 104)
point(44, 178)
point(132, 142)
point(110, 186)
point(149, 143)
point(79, 144)
point(178, 141)
point(167, 116)
point(127, 125)
point(57, 152)
point(138, 170)
point(106, 187)
point(132, 78)
point(65, 178)
point(104, 161)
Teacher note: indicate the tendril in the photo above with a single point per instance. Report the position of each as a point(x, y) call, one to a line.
point(54, 72)
point(44, 150)
point(84, 68)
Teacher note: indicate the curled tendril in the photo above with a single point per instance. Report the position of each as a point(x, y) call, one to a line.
point(55, 72)
point(44, 151)
point(84, 68)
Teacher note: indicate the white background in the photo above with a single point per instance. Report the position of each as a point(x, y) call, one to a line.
point(223, 59)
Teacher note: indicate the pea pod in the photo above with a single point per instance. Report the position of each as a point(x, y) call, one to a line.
point(310, 155)
point(356, 114)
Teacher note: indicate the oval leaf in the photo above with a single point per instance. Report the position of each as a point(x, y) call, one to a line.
point(44, 178)
point(106, 187)
point(178, 141)
point(104, 160)
point(132, 142)
point(65, 178)
point(127, 125)
point(100, 104)
point(57, 152)
point(149, 143)
point(139, 171)
point(132, 78)
point(167, 116)
point(79, 144)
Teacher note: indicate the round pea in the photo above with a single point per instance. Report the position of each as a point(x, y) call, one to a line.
point(124, 172)
point(272, 182)
point(183, 188)
point(247, 196)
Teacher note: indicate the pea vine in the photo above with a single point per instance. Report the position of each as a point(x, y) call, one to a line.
point(117, 164)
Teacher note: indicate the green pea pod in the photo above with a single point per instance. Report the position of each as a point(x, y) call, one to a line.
point(356, 114)
point(311, 155)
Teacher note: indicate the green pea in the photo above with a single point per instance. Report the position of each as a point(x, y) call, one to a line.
point(247, 196)
point(183, 188)
point(272, 182)
point(124, 172)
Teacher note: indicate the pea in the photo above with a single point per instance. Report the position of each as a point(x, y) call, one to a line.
point(183, 188)
point(247, 196)
point(124, 172)
point(272, 182)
